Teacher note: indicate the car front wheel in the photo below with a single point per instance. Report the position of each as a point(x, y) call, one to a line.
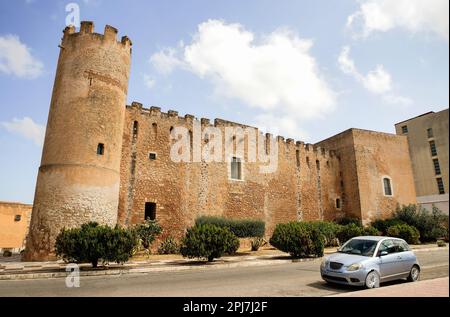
point(372, 280)
point(414, 274)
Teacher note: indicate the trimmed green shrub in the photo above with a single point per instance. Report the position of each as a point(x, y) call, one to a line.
point(169, 246)
point(298, 239)
point(328, 229)
point(257, 243)
point(383, 224)
point(349, 220)
point(349, 231)
point(93, 242)
point(147, 232)
point(441, 243)
point(406, 232)
point(431, 225)
point(242, 228)
point(371, 231)
point(209, 242)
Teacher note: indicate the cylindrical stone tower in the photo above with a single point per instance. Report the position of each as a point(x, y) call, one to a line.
point(78, 180)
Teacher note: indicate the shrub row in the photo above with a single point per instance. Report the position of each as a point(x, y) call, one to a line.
point(245, 228)
point(299, 239)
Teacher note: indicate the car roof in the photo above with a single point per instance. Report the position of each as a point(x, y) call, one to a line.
point(376, 238)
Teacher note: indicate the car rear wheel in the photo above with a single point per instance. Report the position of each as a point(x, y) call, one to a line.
point(414, 274)
point(372, 280)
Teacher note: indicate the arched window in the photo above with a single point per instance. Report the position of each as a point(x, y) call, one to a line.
point(154, 129)
point(387, 186)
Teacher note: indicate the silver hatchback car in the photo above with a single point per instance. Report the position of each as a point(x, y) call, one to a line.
point(369, 260)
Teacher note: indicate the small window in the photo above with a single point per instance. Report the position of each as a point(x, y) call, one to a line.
point(342, 183)
point(17, 218)
point(437, 167)
point(387, 186)
point(307, 161)
point(404, 129)
point(430, 133)
point(236, 168)
point(135, 128)
point(297, 154)
point(150, 211)
point(318, 165)
point(152, 156)
point(433, 148)
point(338, 203)
point(100, 149)
point(440, 184)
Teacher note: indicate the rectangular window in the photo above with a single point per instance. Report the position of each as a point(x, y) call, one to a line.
point(433, 148)
point(440, 184)
point(437, 167)
point(152, 156)
point(150, 211)
point(430, 133)
point(100, 149)
point(236, 168)
point(387, 186)
point(338, 203)
point(297, 154)
point(404, 129)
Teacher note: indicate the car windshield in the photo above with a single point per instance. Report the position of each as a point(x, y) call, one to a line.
point(359, 247)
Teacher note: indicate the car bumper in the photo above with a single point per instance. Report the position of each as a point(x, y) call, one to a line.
point(355, 278)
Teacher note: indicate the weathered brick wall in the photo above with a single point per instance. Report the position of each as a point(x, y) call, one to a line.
point(13, 231)
point(184, 191)
point(378, 155)
point(365, 158)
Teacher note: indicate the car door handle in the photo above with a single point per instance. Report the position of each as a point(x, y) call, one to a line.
point(399, 257)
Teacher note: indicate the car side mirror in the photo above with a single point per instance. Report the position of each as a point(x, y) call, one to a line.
point(383, 253)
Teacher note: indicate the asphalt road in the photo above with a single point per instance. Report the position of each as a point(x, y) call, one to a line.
point(292, 279)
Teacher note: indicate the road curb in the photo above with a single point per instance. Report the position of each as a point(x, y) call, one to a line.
point(153, 268)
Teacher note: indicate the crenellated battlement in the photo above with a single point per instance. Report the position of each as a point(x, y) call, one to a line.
point(206, 122)
point(87, 28)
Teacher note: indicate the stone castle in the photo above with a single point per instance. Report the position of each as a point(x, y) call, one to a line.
point(108, 162)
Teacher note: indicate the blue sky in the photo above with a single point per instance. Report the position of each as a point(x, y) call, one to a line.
point(301, 69)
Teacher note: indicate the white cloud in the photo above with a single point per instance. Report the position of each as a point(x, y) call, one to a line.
point(275, 75)
point(412, 15)
point(149, 82)
point(26, 128)
point(165, 61)
point(16, 58)
point(377, 81)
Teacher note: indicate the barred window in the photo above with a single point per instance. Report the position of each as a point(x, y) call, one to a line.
point(433, 148)
point(437, 167)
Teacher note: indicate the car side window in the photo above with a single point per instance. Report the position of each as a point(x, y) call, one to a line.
point(403, 246)
point(388, 246)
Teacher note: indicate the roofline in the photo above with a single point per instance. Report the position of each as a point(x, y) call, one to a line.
point(421, 115)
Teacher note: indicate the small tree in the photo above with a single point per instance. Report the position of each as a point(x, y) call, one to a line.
point(93, 242)
point(147, 232)
point(209, 242)
point(298, 239)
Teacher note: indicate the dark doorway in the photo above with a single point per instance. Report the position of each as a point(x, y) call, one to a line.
point(150, 211)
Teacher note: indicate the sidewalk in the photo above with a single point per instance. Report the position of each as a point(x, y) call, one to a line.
point(429, 288)
point(12, 268)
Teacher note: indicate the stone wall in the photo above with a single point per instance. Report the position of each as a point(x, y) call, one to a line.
point(14, 224)
point(184, 191)
point(366, 157)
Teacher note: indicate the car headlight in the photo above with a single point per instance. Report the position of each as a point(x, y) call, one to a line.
point(355, 267)
point(323, 265)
